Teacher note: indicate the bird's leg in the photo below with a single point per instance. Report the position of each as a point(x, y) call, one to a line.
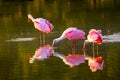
point(73, 46)
point(84, 44)
point(97, 49)
point(85, 55)
point(84, 52)
point(43, 38)
point(53, 43)
point(93, 50)
point(40, 38)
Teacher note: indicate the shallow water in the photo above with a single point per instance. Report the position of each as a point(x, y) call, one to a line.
point(19, 39)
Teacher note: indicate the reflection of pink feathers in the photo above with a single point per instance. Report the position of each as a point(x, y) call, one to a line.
point(74, 59)
point(41, 24)
point(95, 36)
point(42, 53)
point(96, 63)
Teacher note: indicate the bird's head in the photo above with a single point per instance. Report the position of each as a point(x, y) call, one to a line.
point(55, 41)
point(29, 17)
point(58, 39)
point(86, 41)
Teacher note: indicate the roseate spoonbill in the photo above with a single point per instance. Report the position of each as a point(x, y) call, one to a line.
point(72, 59)
point(42, 53)
point(94, 36)
point(72, 34)
point(42, 25)
point(95, 63)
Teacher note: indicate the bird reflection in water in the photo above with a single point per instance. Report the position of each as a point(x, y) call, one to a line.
point(71, 59)
point(43, 25)
point(95, 62)
point(42, 53)
point(73, 34)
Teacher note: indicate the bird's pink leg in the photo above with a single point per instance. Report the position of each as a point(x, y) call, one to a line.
point(43, 38)
point(83, 50)
point(40, 38)
point(84, 45)
point(85, 55)
point(73, 46)
point(93, 50)
point(97, 49)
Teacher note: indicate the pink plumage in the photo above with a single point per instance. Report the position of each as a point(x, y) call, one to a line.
point(72, 34)
point(71, 59)
point(41, 24)
point(74, 59)
point(95, 36)
point(96, 63)
point(42, 53)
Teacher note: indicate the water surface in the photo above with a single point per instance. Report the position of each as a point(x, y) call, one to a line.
point(19, 39)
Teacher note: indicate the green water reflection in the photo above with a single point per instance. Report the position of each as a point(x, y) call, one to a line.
point(84, 14)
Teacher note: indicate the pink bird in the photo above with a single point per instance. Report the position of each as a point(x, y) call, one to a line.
point(42, 53)
point(41, 24)
point(96, 63)
point(72, 34)
point(94, 36)
point(72, 59)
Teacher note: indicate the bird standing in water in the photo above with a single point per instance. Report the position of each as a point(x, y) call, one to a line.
point(94, 36)
point(43, 25)
point(72, 34)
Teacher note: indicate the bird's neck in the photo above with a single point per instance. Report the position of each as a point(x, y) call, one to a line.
point(86, 41)
point(60, 38)
point(31, 17)
point(59, 55)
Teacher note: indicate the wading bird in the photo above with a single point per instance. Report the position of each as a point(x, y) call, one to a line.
point(42, 25)
point(94, 36)
point(72, 34)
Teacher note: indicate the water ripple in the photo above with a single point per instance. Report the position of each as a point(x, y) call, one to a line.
point(20, 39)
point(112, 38)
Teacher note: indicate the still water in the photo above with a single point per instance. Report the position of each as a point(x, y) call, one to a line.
point(19, 39)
